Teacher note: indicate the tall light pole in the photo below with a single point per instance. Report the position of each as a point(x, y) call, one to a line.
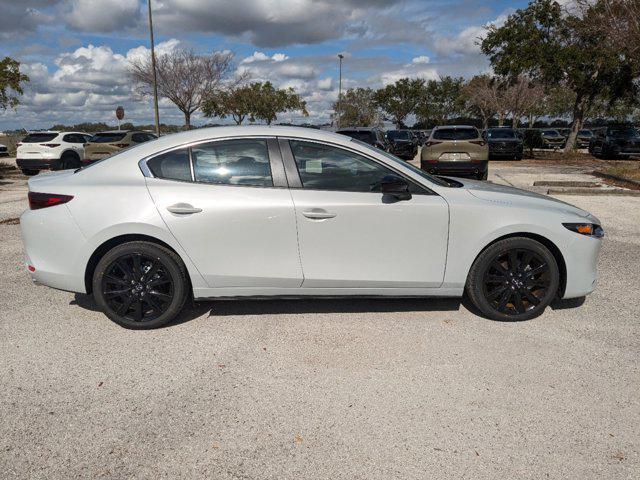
point(340, 57)
point(155, 77)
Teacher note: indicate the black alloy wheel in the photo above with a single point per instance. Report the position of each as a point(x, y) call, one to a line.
point(140, 285)
point(514, 279)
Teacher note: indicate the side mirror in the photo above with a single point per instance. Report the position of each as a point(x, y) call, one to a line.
point(395, 186)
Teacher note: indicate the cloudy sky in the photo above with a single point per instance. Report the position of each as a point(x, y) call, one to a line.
point(76, 51)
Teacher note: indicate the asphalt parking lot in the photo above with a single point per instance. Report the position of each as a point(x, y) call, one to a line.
point(326, 389)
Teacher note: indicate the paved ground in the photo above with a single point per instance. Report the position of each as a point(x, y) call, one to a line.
point(357, 389)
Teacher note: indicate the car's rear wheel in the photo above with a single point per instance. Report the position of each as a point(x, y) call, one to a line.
point(513, 279)
point(140, 285)
point(67, 161)
point(483, 175)
point(29, 172)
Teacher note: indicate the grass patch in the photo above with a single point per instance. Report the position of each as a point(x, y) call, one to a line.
point(631, 172)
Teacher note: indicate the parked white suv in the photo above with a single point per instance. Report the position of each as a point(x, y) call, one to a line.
point(51, 150)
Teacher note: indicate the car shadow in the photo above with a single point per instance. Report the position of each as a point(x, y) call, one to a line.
point(283, 306)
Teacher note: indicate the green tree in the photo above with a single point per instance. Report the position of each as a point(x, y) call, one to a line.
point(270, 101)
point(441, 100)
point(552, 46)
point(357, 107)
point(400, 99)
point(10, 80)
point(239, 103)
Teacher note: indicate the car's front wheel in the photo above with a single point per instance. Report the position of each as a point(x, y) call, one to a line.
point(513, 279)
point(140, 285)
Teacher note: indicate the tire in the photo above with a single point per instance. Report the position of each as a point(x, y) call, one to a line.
point(503, 289)
point(483, 176)
point(153, 301)
point(518, 157)
point(67, 161)
point(29, 172)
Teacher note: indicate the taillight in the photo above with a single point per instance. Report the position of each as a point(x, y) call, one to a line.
point(431, 143)
point(50, 145)
point(39, 200)
point(122, 145)
point(477, 142)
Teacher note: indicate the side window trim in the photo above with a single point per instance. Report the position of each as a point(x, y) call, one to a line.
point(293, 176)
point(276, 163)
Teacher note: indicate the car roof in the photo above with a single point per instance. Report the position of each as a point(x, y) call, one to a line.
point(357, 129)
point(453, 126)
point(112, 131)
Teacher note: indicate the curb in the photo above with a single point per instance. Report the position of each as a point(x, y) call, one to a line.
point(592, 191)
point(610, 176)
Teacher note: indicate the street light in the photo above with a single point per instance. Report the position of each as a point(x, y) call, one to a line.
point(340, 56)
point(155, 77)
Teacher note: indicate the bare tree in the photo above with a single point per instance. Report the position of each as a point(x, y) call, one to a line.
point(521, 97)
point(488, 96)
point(185, 78)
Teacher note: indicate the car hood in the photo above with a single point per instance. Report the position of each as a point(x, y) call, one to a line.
point(516, 197)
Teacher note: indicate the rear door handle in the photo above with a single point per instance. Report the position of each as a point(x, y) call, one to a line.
point(318, 214)
point(183, 209)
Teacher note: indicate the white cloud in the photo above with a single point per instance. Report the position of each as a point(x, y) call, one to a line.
point(263, 57)
point(420, 59)
point(325, 83)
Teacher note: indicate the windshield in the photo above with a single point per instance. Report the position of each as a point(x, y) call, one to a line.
point(108, 137)
point(364, 136)
point(398, 135)
point(438, 181)
point(585, 133)
point(550, 133)
point(39, 137)
point(506, 133)
point(455, 134)
point(625, 132)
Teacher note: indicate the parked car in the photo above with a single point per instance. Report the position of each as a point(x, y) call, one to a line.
point(615, 141)
point(504, 143)
point(372, 136)
point(457, 150)
point(551, 138)
point(103, 144)
point(3, 150)
point(402, 144)
point(584, 138)
point(50, 150)
point(564, 131)
point(286, 211)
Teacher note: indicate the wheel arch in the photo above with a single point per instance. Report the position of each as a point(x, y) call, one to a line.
point(555, 251)
point(106, 246)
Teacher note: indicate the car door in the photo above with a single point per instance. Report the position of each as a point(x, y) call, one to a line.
point(227, 204)
point(350, 234)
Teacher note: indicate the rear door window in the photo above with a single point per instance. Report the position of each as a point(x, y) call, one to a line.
point(233, 162)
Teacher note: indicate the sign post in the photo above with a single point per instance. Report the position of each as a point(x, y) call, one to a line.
point(119, 114)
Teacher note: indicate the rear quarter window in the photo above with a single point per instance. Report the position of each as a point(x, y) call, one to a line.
point(108, 137)
point(172, 165)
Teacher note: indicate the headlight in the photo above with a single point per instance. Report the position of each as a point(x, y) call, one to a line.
point(588, 229)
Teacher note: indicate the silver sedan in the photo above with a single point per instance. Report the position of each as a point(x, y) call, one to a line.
point(284, 211)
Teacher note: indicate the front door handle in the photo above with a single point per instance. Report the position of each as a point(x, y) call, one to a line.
point(183, 209)
point(318, 214)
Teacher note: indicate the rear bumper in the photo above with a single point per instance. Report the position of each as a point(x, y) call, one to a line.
point(455, 168)
point(403, 151)
point(33, 163)
point(53, 230)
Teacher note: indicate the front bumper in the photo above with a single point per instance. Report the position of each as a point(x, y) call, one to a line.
point(33, 163)
point(581, 261)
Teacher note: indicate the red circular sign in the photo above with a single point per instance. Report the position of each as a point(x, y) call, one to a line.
point(120, 113)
